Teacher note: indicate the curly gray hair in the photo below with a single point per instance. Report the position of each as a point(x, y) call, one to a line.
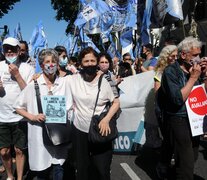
point(47, 52)
point(188, 43)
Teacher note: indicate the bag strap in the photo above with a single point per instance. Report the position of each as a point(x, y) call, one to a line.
point(99, 89)
point(37, 90)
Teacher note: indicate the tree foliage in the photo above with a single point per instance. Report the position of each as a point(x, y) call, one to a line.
point(66, 10)
point(6, 5)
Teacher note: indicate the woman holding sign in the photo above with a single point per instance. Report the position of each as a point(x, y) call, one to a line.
point(53, 97)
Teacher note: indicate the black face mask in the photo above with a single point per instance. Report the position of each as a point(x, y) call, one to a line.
point(89, 70)
point(143, 55)
point(23, 57)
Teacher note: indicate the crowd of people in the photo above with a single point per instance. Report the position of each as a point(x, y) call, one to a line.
point(177, 71)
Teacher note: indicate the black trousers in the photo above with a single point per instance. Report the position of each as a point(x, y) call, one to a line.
point(185, 146)
point(92, 161)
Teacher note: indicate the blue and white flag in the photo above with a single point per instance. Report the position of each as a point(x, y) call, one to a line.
point(72, 45)
point(174, 8)
point(126, 37)
point(99, 24)
point(119, 12)
point(37, 42)
point(166, 12)
point(38, 39)
point(145, 30)
point(112, 50)
point(131, 18)
point(86, 41)
point(17, 32)
point(91, 10)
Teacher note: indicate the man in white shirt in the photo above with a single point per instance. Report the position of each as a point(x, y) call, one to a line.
point(14, 75)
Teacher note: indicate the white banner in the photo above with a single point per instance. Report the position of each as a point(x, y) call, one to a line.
point(137, 120)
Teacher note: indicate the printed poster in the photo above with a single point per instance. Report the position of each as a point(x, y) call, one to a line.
point(54, 108)
point(197, 108)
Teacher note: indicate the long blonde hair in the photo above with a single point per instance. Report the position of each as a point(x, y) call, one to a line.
point(163, 57)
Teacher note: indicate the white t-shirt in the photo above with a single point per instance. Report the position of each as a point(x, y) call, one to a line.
point(40, 157)
point(84, 96)
point(12, 90)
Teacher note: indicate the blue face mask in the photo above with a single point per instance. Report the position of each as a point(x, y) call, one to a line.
point(11, 60)
point(63, 61)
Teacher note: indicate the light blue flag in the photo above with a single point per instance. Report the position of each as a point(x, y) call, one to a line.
point(112, 51)
point(38, 42)
point(131, 18)
point(145, 30)
point(38, 39)
point(72, 45)
point(174, 8)
point(86, 41)
point(17, 32)
point(119, 12)
point(91, 10)
point(126, 37)
point(106, 21)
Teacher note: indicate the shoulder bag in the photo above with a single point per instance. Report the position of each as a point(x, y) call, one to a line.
point(53, 133)
point(94, 135)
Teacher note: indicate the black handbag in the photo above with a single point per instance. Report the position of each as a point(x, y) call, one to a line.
point(53, 133)
point(94, 135)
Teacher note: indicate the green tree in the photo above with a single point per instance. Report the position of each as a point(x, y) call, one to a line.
point(6, 5)
point(66, 10)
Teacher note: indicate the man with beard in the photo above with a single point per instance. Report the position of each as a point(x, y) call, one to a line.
point(177, 82)
point(24, 54)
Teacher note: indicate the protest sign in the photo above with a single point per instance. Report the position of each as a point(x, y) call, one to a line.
point(196, 105)
point(54, 108)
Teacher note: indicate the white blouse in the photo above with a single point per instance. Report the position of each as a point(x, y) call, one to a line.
point(40, 156)
point(84, 96)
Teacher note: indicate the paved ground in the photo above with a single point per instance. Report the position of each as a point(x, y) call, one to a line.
point(141, 166)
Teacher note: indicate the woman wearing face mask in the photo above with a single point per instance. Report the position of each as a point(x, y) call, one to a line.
point(105, 65)
point(63, 61)
point(84, 89)
point(42, 158)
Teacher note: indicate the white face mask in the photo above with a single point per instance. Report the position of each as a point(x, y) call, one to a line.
point(11, 60)
point(104, 67)
point(196, 59)
point(50, 69)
